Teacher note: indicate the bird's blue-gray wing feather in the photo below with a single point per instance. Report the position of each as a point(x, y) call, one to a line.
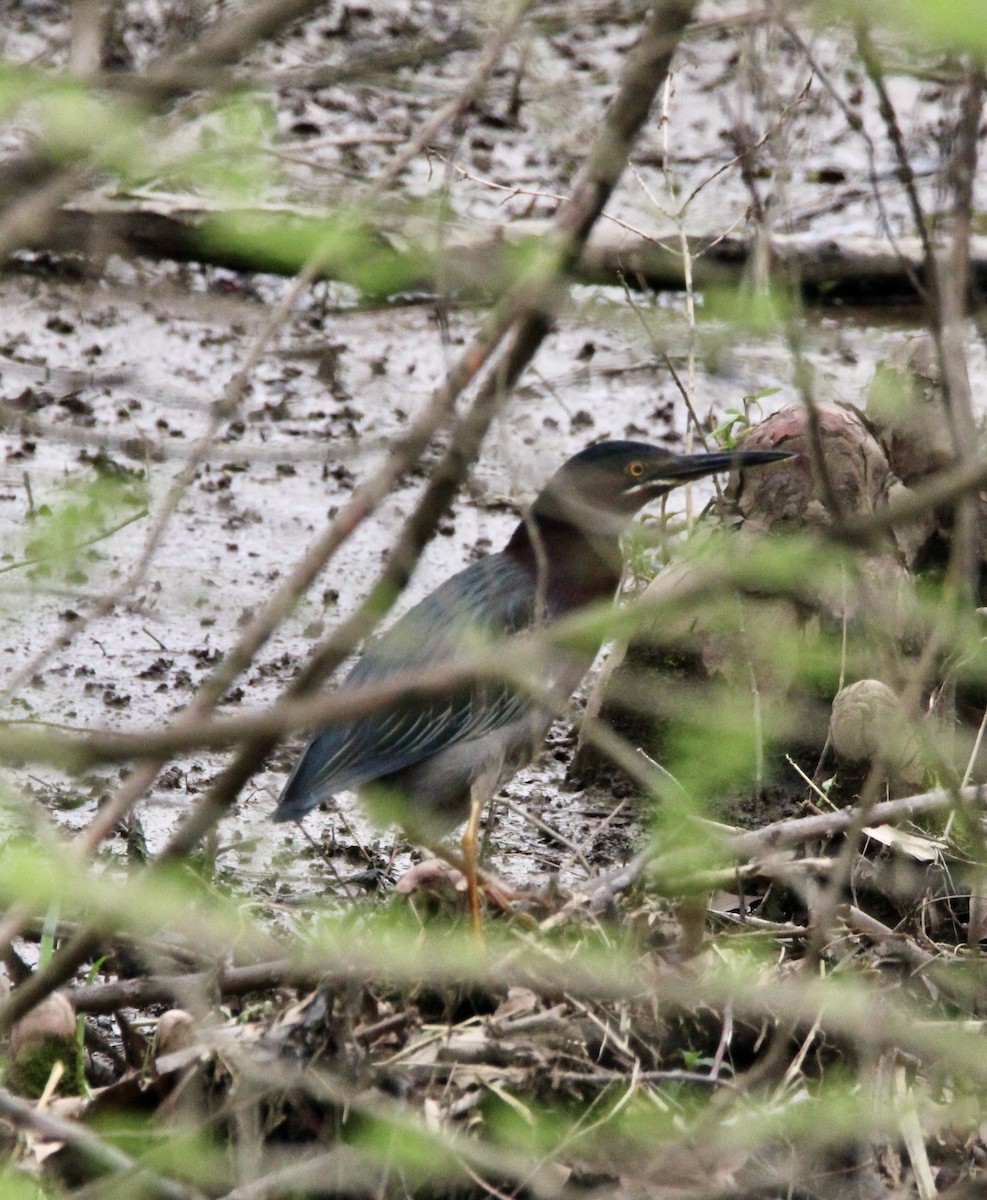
point(494, 596)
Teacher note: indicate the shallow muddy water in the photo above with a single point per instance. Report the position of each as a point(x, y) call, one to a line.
point(135, 354)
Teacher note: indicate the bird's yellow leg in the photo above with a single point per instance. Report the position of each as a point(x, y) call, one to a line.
point(470, 846)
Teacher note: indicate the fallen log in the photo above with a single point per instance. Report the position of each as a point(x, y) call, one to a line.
point(473, 262)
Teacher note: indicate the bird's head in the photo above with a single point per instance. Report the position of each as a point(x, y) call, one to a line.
point(602, 487)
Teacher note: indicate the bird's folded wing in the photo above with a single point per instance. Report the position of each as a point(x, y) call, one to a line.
point(492, 598)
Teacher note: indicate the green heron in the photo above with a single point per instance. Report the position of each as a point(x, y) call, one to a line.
point(437, 761)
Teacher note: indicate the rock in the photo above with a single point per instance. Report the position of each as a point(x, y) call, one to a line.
point(755, 644)
point(906, 409)
point(39, 1040)
point(175, 1031)
point(868, 724)
point(788, 496)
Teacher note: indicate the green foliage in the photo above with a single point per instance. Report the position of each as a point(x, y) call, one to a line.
point(946, 25)
point(711, 746)
point(890, 393)
point(737, 421)
point(20, 1185)
point(222, 153)
point(76, 124)
point(642, 556)
point(175, 1150)
point(344, 246)
point(421, 1156)
point(39, 876)
point(714, 743)
point(232, 161)
point(763, 312)
point(44, 1060)
point(59, 536)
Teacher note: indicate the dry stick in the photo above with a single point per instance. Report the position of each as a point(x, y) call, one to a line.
point(817, 453)
point(932, 968)
point(684, 392)
point(86, 38)
point(381, 61)
point(773, 129)
point(220, 44)
point(761, 213)
point(91, 1149)
point(226, 41)
point(555, 835)
point(855, 123)
point(875, 73)
point(824, 916)
point(952, 289)
point(284, 716)
point(948, 279)
point(690, 298)
point(264, 623)
point(795, 831)
point(943, 488)
point(529, 308)
point(947, 284)
point(210, 691)
point(64, 748)
point(785, 835)
point(457, 105)
point(163, 989)
point(905, 947)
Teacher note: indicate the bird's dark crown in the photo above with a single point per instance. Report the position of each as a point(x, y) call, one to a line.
point(610, 479)
point(602, 487)
point(615, 455)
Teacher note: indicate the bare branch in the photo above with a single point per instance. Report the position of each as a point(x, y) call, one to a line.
point(92, 1149)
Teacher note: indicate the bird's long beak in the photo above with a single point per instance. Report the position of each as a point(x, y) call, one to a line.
point(664, 476)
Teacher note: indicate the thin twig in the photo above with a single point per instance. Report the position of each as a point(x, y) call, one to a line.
point(459, 103)
point(93, 1150)
point(527, 310)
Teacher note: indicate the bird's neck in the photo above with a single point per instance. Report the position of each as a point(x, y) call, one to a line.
point(579, 567)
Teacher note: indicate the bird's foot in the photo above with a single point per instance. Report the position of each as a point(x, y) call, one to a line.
point(435, 872)
point(499, 893)
point(429, 874)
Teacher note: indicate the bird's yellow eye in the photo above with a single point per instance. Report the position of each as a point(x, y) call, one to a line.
point(635, 470)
